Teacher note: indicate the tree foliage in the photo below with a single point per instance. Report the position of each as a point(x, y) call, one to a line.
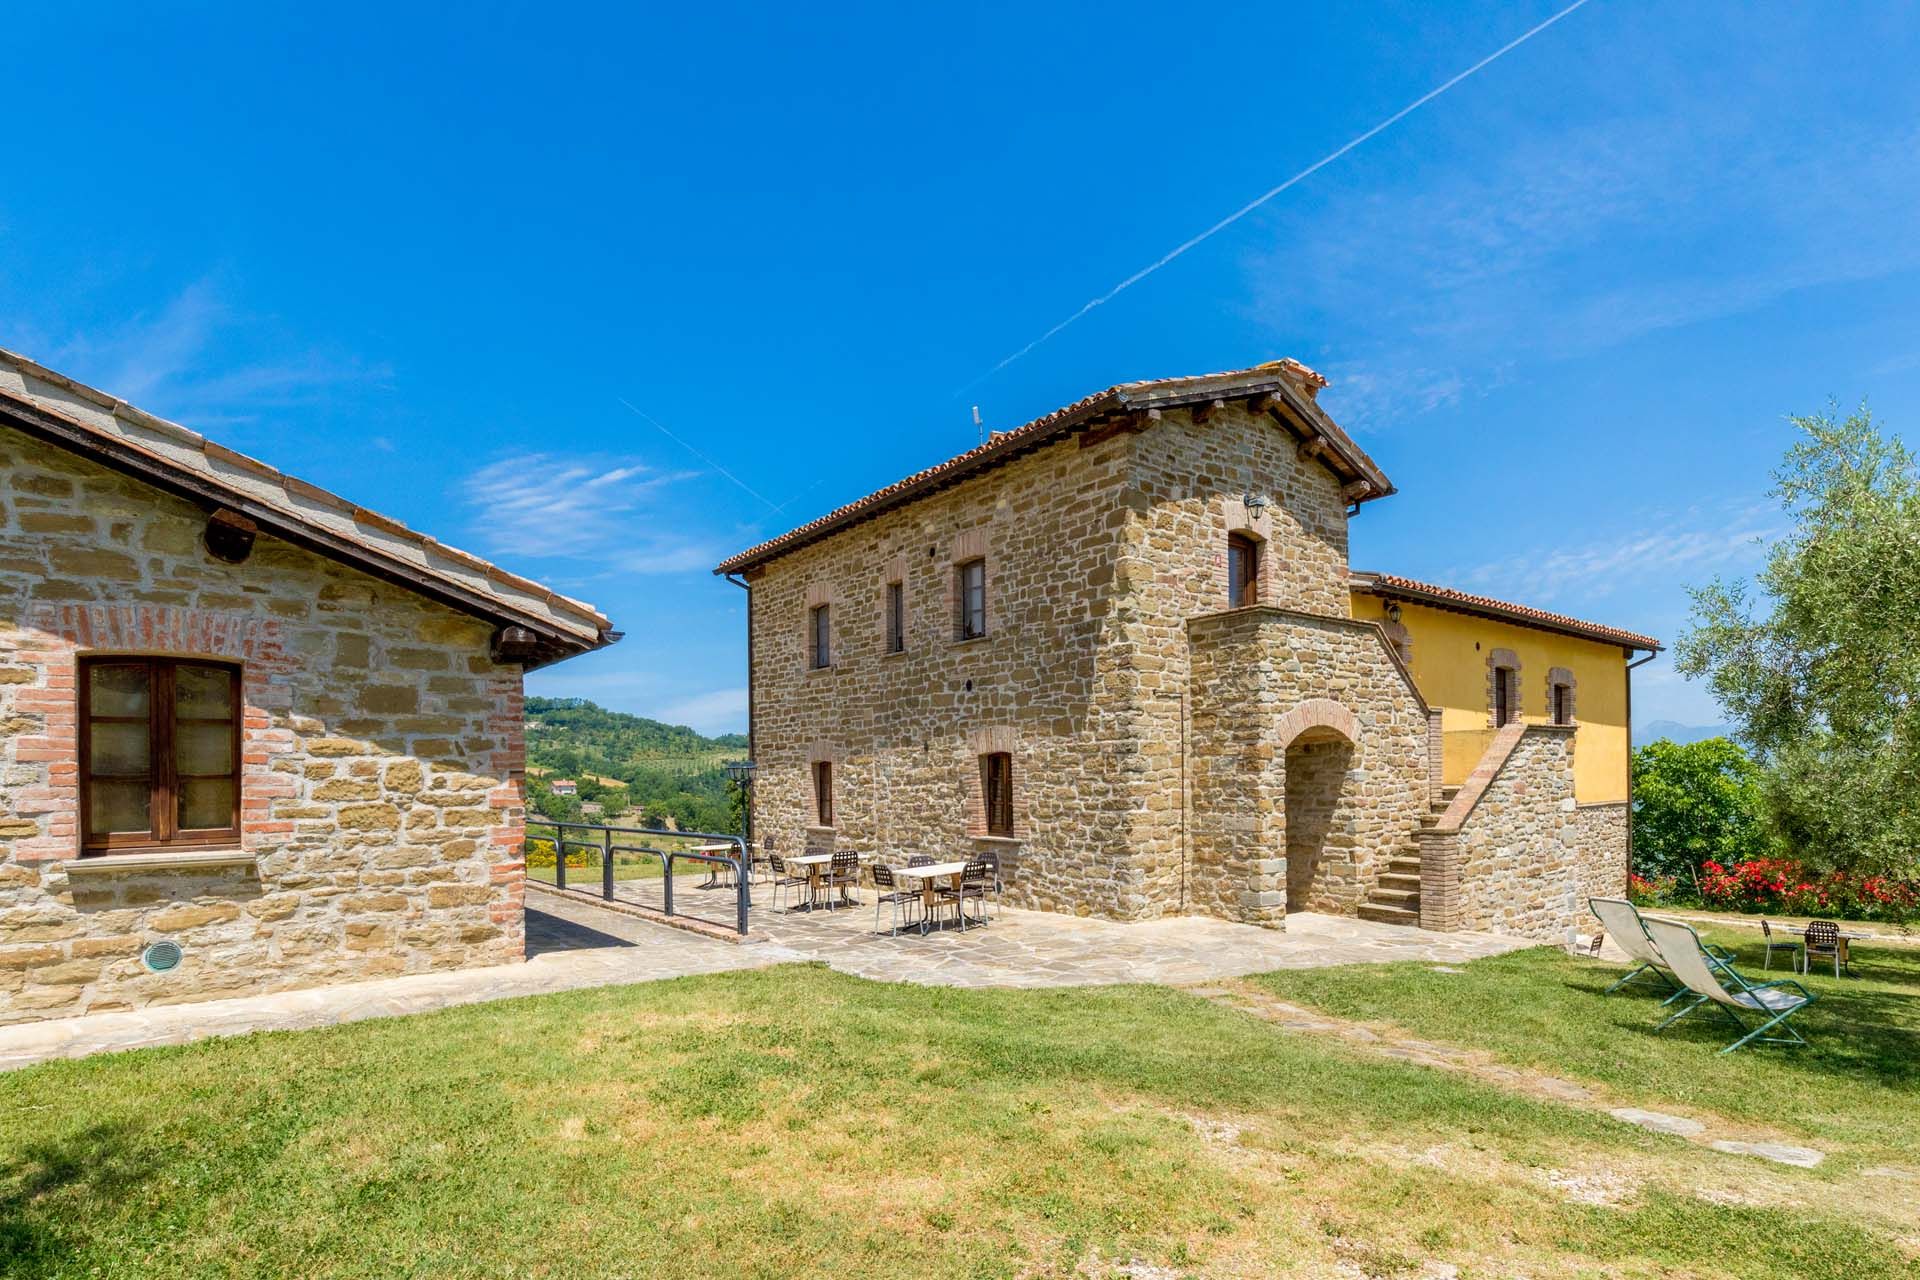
point(1692, 803)
point(624, 762)
point(1819, 663)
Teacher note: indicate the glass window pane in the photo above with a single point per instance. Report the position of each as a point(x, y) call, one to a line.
point(203, 748)
point(205, 803)
point(118, 750)
point(116, 690)
point(117, 807)
point(202, 693)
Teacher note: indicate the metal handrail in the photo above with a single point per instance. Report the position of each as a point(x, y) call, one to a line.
point(743, 900)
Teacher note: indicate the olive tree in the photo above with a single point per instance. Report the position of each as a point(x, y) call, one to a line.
point(1818, 661)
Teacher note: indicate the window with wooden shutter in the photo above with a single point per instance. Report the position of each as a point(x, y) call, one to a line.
point(996, 785)
point(1243, 571)
point(896, 617)
point(159, 753)
point(823, 793)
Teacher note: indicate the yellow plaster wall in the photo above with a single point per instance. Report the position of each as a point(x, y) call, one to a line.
point(1450, 666)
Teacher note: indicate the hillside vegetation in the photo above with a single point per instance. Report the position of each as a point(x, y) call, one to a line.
point(639, 771)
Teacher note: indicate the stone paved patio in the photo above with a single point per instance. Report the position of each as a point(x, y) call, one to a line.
point(573, 943)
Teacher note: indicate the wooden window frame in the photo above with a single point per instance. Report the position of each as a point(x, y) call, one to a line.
point(820, 637)
point(1243, 561)
point(1560, 705)
point(896, 617)
point(972, 622)
point(1506, 690)
point(163, 779)
point(823, 793)
point(996, 791)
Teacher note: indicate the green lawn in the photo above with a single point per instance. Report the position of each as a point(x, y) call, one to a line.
point(795, 1121)
point(1855, 1091)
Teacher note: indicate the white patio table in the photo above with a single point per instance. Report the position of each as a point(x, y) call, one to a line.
point(929, 877)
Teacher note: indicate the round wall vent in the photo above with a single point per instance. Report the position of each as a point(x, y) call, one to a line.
point(162, 956)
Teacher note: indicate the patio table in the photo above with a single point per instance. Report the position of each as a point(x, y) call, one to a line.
point(929, 877)
point(816, 865)
point(714, 869)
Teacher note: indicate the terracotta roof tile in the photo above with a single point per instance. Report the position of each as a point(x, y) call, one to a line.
point(1390, 585)
point(1290, 379)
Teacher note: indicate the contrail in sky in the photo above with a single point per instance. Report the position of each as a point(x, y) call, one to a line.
point(1251, 205)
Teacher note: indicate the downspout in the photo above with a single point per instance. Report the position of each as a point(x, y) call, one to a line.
point(1630, 666)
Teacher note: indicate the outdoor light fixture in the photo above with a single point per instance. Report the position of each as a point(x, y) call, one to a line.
point(1254, 503)
point(741, 771)
point(1393, 612)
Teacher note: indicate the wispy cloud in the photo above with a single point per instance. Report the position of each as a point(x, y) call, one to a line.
point(1570, 240)
point(203, 359)
point(1691, 545)
point(598, 509)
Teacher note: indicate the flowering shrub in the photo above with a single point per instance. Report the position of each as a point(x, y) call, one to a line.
point(540, 855)
point(1653, 891)
point(1781, 886)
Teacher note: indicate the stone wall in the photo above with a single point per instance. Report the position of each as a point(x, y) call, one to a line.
point(1187, 484)
point(381, 775)
point(1506, 857)
point(1096, 556)
point(1600, 832)
point(905, 731)
point(1275, 689)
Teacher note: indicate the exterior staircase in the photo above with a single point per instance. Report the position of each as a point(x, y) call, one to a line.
point(1395, 897)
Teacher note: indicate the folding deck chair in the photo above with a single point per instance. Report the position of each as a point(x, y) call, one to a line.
point(1626, 926)
point(1687, 959)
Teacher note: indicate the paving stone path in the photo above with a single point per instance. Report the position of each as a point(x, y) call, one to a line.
point(1388, 1042)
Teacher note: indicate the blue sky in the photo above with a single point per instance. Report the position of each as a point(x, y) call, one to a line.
point(429, 262)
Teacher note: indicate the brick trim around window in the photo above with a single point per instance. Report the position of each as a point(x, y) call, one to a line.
point(983, 745)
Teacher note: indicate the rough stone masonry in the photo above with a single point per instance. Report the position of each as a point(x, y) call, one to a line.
point(381, 770)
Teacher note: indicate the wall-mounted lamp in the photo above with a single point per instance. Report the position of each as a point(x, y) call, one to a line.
point(1255, 504)
point(1393, 612)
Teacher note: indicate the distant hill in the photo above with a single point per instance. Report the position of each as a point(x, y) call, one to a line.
point(639, 771)
point(1674, 731)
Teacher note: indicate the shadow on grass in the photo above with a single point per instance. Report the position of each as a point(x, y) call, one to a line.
point(1863, 1033)
point(47, 1187)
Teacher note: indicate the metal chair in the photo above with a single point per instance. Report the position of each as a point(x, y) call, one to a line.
point(843, 874)
point(1788, 945)
point(974, 881)
point(992, 858)
point(920, 860)
point(784, 879)
point(1823, 941)
point(1723, 988)
point(887, 892)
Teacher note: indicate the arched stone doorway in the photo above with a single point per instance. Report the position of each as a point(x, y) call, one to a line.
point(1319, 737)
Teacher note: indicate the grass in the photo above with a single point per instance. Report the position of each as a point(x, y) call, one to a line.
point(1854, 1092)
point(797, 1122)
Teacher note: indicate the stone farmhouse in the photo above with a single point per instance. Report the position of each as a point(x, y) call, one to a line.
point(1122, 647)
point(252, 736)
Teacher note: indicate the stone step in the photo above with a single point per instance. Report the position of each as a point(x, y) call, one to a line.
point(1403, 866)
point(1400, 881)
point(1431, 820)
point(1389, 915)
point(1391, 896)
point(1447, 793)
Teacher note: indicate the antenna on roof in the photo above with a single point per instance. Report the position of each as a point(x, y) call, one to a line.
point(976, 424)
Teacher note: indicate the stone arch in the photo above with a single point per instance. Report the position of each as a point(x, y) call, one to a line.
point(1317, 713)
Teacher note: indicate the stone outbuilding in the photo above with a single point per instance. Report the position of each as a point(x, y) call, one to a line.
point(1121, 649)
point(252, 736)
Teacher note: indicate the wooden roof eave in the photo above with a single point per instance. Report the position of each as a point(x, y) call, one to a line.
point(129, 459)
